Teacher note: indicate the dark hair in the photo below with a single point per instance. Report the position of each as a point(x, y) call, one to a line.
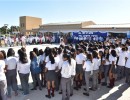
point(23, 57)
point(4, 53)
point(113, 53)
point(89, 57)
point(36, 51)
point(32, 55)
point(68, 57)
point(41, 52)
point(95, 54)
point(23, 49)
point(106, 55)
point(10, 52)
point(59, 50)
point(51, 57)
point(1, 56)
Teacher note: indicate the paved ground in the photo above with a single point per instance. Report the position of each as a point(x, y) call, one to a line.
point(120, 92)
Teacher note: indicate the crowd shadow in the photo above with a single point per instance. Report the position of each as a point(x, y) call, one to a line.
point(114, 96)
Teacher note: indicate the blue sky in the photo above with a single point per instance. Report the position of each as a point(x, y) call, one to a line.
point(99, 11)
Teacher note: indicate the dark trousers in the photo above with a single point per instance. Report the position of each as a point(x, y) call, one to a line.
point(57, 80)
point(66, 86)
point(127, 72)
point(106, 71)
point(120, 72)
point(3, 90)
point(36, 79)
point(24, 82)
point(95, 79)
point(11, 81)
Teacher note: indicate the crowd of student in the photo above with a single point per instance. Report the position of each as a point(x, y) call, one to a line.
point(66, 68)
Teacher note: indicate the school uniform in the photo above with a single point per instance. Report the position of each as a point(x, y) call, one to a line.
point(11, 63)
point(127, 69)
point(106, 68)
point(66, 80)
point(24, 70)
point(73, 72)
point(113, 59)
point(95, 73)
point(51, 75)
point(3, 83)
point(88, 66)
point(79, 60)
point(121, 64)
point(57, 80)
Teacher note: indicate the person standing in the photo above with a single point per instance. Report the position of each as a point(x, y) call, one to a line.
point(121, 64)
point(50, 75)
point(127, 69)
point(11, 64)
point(3, 84)
point(33, 67)
point(112, 59)
point(88, 67)
point(23, 67)
point(95, 70)
point(66, 77)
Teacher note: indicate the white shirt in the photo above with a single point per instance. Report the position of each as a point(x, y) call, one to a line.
point(122, 56)
point(2, 74)
point(41, 58)
point(11, 62)
point(106, 61)
point(66, 70)
point(111, 59)
point(96, 63)
point(57, 59)
point(88, 66)
point(80, 58)
point(50, 66)
point(47, 59)
point(128, 61)
point(23, 68)
point(73, 67)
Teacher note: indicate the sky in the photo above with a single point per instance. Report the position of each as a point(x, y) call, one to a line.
point(53, 11)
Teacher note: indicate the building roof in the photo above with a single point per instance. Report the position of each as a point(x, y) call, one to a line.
point(68, 23)
point(122, 25)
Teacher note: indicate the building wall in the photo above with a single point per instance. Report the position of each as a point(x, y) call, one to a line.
point(28, 23)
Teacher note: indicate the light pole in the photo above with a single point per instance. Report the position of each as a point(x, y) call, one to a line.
point(6, 25)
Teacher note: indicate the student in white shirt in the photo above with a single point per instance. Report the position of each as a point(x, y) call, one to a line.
point(106, 65)
point(50, 68)
point(95, 70)
point(73, 71)
point(66, 77)
point(127, 69)
point(88, 67)
point(80, 58)
point(11, 63)
point(112, 59)
point(121, 64)
point(23, 67)
point(3, 83)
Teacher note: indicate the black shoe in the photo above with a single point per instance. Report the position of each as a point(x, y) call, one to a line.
point(85, 89)
point(87, 94)
point(76, 88)
point(52, 94)
point(40, 89)
point(104, 84)
point(60, 92)
point(71, 95)
point(109, 86)
point(34, 89)
point(48, 96)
